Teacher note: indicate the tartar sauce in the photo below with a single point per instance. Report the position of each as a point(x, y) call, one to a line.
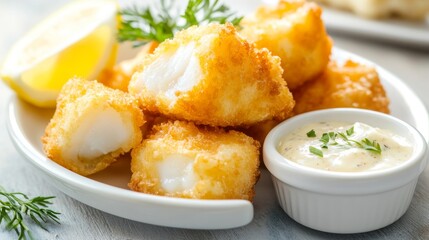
point(395, 149)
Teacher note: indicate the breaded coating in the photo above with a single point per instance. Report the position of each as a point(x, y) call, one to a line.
point(151, 120)
point(350, 84)
point(260, 130)
point(92, 126)
point(119, 76)
point(410, 9)
point(294, 31)
point(212, 76)
point(182, 160)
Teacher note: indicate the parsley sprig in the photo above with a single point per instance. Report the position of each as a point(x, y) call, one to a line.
point(342, 139)
point(15, 207)
point(142, 25)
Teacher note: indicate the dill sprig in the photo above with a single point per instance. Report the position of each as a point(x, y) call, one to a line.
point(342, 139)
point(15, 207)
point(141, 25)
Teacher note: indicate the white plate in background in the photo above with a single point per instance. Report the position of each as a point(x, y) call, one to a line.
point(407, 33)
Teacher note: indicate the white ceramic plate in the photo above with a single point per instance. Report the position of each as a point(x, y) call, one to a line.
point(108, 192)
point(407, 33)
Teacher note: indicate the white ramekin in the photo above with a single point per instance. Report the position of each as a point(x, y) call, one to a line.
point(341, 202)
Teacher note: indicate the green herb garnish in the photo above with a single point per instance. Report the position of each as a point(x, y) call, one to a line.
point(341, 139)
point(316, 151)
point(350, 131)
point(312, 133)
point(141, 25)
point(16, 206)
point(370, 145)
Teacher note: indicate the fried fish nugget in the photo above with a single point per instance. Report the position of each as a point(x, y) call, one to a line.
point(343, 85)
point(92, 126)
point(294, 31)
point(212, 76)
point(119, 76)
point(182, 160)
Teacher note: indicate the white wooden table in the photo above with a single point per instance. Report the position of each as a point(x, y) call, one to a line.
point(79, 221)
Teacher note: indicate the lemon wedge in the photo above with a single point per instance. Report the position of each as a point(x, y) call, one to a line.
point(79, 40)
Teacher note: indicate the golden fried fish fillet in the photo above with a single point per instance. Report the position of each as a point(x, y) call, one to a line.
point(410, 9)
point(212, 76)
point(343, 85)
point(294, 31)
point(182, 160)
point(92, 126)
point(119, 76)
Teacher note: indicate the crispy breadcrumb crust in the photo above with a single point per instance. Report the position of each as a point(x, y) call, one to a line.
point(241, 84)
point(260, 130)
point(343, 85)
point(294, 31)
point(77, 99)
point(225, 163)
point(119, 76)
point(151, 120)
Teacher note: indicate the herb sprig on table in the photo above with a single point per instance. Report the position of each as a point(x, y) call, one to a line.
point(142, 25)
point(342, 139)
point(16, 208)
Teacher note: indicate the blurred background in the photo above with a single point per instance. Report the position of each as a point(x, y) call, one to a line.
point(401, 47)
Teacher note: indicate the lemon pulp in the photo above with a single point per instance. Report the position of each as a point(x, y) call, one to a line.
point(79, 40)
point(87, 51)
